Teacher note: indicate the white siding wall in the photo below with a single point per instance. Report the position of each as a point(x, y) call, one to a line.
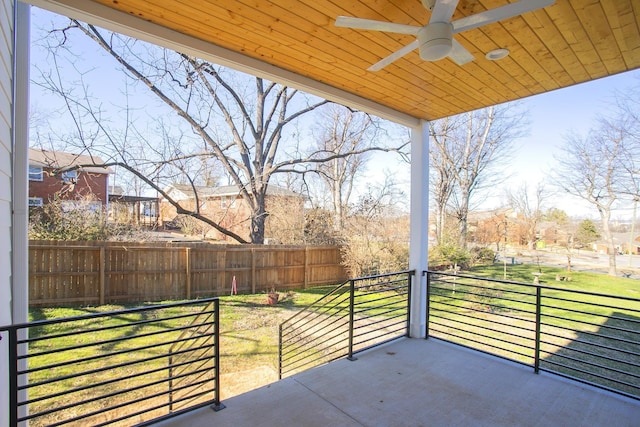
point(6, 66)
point(6, 106)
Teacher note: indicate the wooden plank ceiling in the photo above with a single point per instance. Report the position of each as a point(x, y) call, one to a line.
point(569, 42)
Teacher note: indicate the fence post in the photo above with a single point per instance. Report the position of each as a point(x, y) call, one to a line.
point(253, 270)
point(352, 288)
point(306, 267)
point(101, 287)
point(187, 254)
point(536, 356)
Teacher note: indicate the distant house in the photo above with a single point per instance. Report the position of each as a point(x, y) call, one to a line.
point(226, 206)
point(632, 245)
point(52, 176)
point(489, 226)
point(621, 243)
point(138, 210)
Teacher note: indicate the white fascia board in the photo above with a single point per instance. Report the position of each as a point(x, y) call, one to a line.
point(176, 194)
point(111, 19)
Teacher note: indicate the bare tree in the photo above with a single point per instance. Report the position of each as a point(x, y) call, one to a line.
point(596, 168)
point(239, 121)
point(493, 229)
point(469, 151)
point(628, 119)
point(442, 170)
point(343, 130)
point(376, 235)
point(529, 204)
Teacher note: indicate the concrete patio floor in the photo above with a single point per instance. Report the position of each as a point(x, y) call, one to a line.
point(414, 382)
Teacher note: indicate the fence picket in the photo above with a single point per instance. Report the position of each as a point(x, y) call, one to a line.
point(86, 273)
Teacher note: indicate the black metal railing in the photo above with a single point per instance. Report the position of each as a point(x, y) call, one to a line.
point(590, 337)
point(130, 367)
point(355, 316)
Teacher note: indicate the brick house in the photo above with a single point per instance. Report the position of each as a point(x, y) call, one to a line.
point(226, 206)
point(48, 179)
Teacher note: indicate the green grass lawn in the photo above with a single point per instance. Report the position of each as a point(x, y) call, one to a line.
point(584, 281)
point(581, 335)
point(248, 343)
point(249, 326)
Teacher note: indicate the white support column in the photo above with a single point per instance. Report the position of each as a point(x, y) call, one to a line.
point(418, 246)
point(20, 235)
point(20, 181)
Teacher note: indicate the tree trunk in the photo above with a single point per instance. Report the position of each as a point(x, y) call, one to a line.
point(463, 214)
point(258, 219)
point(440, 224)
point(605, 215)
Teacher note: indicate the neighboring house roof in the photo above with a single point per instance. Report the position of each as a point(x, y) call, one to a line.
point(60, 160)
point(186, 191)
point(493, 213)
point(116, 190)
point(131, 199)
point(618, 239)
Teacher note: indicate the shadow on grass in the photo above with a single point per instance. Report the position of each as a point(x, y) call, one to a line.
point(607, 356)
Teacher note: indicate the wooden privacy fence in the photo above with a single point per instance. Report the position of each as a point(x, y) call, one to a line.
point(91, 273)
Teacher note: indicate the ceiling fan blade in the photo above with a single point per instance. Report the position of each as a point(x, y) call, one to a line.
point(443, 10)
point(370, 24)
point(498, 14)
point(459, 54)
point(394, 56)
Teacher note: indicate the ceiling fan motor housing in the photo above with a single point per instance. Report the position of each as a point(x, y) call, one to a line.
point(435, 40)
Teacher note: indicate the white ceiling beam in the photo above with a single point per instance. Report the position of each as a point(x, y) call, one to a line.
point(113, 20)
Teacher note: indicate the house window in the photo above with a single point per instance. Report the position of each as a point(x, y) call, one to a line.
point(35, 201)
point(227, 202)
point(35, 173)
point(69, 177)
point(81, 205)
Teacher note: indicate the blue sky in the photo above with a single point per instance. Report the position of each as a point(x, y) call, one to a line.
point(552, 116)
point(556, 114)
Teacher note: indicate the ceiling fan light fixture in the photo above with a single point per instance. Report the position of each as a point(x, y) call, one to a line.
point(497, 54)
point(435, 41)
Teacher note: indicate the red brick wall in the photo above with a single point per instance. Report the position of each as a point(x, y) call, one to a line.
point(234, 219)
point(87, 185)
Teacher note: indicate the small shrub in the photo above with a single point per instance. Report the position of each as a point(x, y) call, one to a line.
point(76, 220)
point(450, 255)
point(482, 256)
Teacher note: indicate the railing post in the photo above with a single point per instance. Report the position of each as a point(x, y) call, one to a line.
point(426, 333)
point(536, 360)
point(170, 383)
point(351, 318)
point(280, 351)
point(217, 406)
point(409, 277)
point(13, 376)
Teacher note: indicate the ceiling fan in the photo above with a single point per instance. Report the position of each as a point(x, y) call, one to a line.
point(435, 40)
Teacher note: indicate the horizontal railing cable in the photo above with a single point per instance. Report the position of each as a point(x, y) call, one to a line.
point(129, 367)
point(326, 330)
point(587, 336)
